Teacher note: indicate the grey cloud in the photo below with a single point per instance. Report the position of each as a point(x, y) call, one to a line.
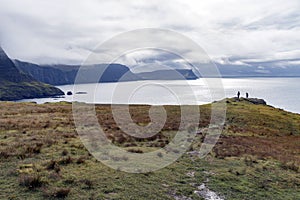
point(67, 31)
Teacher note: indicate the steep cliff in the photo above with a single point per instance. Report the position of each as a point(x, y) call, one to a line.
point(15, 85)
point(48, 74)
point(66, 74)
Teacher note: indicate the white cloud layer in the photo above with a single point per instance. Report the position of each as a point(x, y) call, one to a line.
point(64, 31)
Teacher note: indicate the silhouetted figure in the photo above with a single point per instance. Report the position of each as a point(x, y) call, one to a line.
point(238, 94)
point(247, 95)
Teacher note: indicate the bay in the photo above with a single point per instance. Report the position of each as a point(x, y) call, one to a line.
point(279, 92)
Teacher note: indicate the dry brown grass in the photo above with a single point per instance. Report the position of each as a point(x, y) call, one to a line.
point(45, 136)
point(285, 149)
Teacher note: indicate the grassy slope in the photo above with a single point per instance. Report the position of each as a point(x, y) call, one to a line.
point(41, 156)
point(23, 90)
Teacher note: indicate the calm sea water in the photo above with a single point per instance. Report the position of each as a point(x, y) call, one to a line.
point(279, 92)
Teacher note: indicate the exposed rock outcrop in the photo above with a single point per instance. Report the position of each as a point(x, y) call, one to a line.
point(255, 101)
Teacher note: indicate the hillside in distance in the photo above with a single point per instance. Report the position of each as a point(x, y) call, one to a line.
point(66, 74)
point(177, 74)
point(258, 71)
point(61, 74)
point(15, 85)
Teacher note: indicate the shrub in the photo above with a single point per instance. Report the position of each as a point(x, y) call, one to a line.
point(62, 192)
point(135, 150)
point(4, 154)
point(53, 165)
point(65, 160)
point(64, 152)
point(290, 166)
point(30, 181)
point(34, 149)
point(159, 154)
point(57, 192)
point(54, 176)
point(88, 183)
point(120, 139)
point(49, 141)
point(250, 161)
point(21, 155)
point(81, 160)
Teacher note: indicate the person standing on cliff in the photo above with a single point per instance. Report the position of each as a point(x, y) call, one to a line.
point(247, 95)
point(238, 95)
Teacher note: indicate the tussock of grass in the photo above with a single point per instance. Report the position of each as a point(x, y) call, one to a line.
point(31, 181)
point(56, 192)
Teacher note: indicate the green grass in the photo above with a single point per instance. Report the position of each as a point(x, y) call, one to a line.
point(42, 156)
point(23, 90)
point(244, 118)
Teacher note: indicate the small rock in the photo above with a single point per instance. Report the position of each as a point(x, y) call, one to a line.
point(256, 101)
point(81, 92)
point(190, 174)
point(206, 193)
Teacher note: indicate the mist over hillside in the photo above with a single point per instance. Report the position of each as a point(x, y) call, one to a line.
point(66, 74)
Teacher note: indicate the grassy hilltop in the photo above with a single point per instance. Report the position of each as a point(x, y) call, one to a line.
point(257, 156)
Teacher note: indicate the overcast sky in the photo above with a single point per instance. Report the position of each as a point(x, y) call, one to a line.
point(231, 31)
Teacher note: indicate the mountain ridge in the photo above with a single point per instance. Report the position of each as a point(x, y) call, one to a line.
point(16, 85)
point(66, 74)
point(62, 74)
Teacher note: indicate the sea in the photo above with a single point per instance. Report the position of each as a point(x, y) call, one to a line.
point(282, 93)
